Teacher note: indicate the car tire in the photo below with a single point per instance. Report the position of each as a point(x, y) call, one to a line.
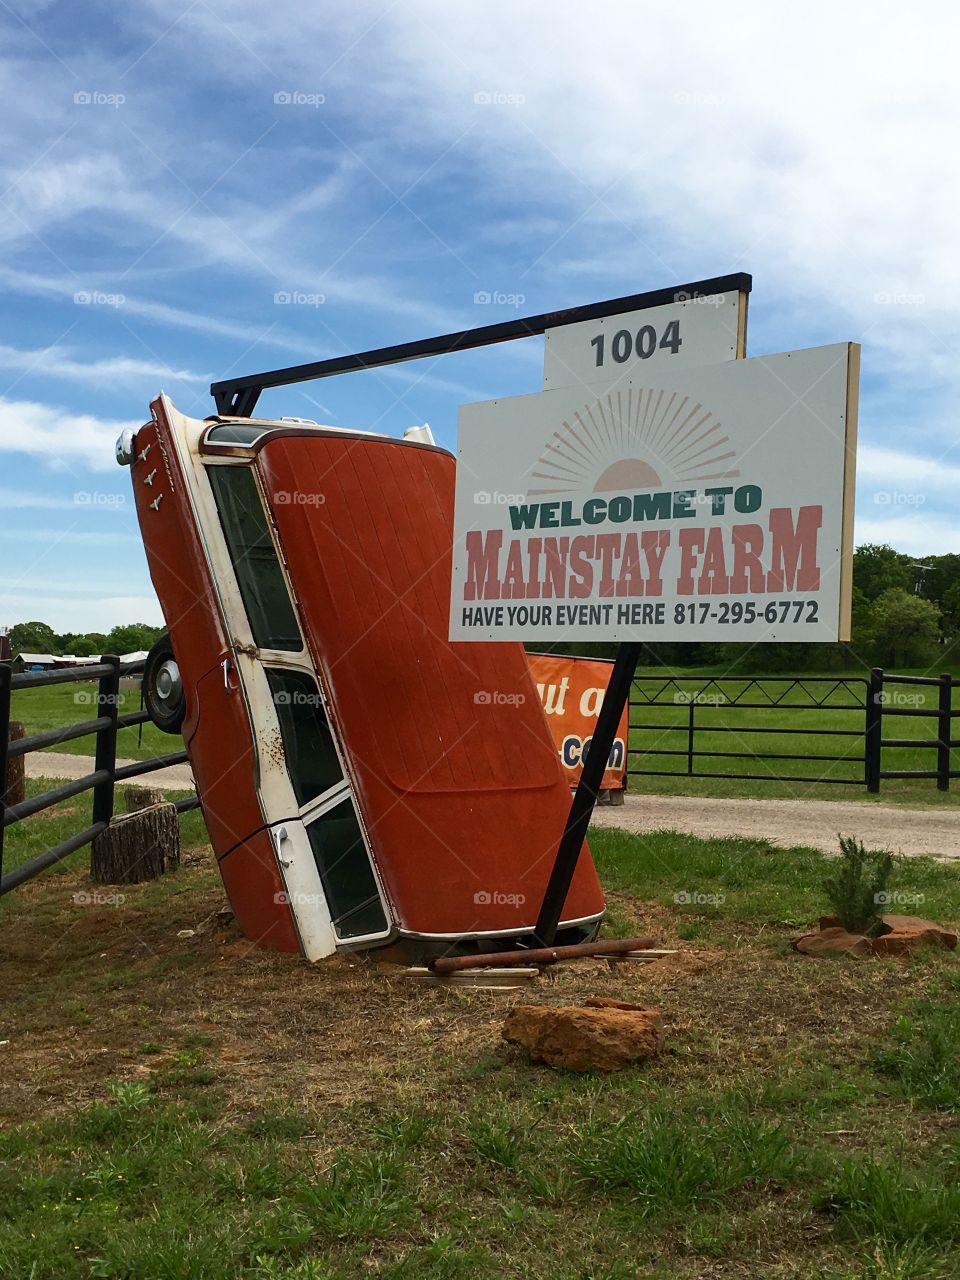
point(162, 687)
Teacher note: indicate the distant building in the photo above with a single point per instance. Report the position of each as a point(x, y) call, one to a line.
point(139, 656)
point(34, 662)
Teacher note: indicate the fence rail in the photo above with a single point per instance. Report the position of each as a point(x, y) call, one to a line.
point(101, 780)
point(704, 705)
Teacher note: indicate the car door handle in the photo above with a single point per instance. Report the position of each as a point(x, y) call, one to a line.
point(280, 835)
point(227, 667)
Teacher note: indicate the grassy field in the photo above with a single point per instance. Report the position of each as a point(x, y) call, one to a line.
point(51, 706)
point(177, 1107)
point(45, 708)
point(25, 840)
point(724, 726)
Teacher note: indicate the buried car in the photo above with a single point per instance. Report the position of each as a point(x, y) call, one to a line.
point(364, 781)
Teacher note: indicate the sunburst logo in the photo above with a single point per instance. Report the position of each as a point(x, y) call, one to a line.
point(640, 438)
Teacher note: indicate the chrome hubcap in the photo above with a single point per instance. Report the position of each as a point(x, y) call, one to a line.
point(167, 684)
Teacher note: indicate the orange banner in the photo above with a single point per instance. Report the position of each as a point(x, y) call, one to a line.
point(571, 690)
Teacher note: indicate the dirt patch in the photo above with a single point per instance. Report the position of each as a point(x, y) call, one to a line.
point(114, 994)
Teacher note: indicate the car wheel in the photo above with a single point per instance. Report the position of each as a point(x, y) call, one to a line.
point(163, 688)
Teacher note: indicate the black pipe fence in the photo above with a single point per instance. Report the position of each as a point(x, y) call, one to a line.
point(102, 779)
point(844, 712)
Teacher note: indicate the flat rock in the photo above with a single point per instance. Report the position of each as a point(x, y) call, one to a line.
point(834, 941)
point(903, 933)
point(602, 1037)
point(906, 932)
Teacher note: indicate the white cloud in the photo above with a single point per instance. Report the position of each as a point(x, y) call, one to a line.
point(929, 475)
point(19, 499)
point(61, 438)
point(66, 363)
point(95, 613)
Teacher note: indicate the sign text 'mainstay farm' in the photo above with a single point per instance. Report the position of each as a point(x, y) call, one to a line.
point(747, 532)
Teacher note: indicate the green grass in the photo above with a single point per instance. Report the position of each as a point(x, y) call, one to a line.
point(33, 836)
point(923, 1056)
point(802, 1120)
point(53, 706)
point(711, 882)
point(723, 726)
point(56, 705)
point(138, 1187)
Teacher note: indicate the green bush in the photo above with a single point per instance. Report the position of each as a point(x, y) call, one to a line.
point(859, 886)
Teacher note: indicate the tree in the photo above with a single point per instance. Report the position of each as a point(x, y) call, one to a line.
point(130, 638)
point(940, 574)
point(906, 628)
point(878, 568)
point(951, 610)
point(32, 637)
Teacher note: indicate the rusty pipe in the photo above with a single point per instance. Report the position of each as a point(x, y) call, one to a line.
point(541, 955)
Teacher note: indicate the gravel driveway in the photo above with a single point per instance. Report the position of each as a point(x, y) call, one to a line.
point(814, 823)
point(60, 764)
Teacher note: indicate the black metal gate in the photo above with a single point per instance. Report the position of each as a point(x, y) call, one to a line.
point(673, 720)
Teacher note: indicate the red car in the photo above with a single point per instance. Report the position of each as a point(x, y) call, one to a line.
point(363, 780)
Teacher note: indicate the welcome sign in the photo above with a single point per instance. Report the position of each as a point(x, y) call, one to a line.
point(713, 503)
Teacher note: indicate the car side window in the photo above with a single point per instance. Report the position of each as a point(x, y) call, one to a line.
point(345, 872)
point(255, 562)
point(311, 757)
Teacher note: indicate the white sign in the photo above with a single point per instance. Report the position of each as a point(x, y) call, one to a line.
point(688, 332)
point(708, 504)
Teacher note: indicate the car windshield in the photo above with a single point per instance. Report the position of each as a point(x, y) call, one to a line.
point(255, 562)
point(242, 433)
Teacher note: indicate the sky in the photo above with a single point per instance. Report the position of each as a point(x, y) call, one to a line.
point(190, 191)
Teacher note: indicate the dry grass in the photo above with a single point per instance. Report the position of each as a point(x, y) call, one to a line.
point(350, 1056)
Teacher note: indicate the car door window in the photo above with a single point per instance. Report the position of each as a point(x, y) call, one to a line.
point(311, 757)
point(254, 557)
point(346, 874)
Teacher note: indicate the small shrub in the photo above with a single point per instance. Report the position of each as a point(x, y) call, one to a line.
point(858, 886)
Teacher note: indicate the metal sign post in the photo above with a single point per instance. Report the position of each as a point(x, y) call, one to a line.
point(585, 796)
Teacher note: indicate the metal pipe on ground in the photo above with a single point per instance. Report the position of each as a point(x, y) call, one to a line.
point(541, 955)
